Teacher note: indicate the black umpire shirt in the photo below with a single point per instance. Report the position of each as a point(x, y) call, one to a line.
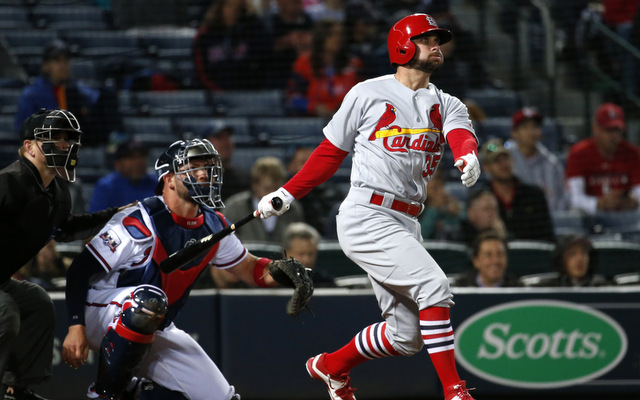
point(31, 215)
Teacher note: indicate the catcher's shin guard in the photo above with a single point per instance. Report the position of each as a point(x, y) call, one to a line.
point(124, 348)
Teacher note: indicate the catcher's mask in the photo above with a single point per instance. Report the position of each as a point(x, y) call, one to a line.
point(59, 133)
point(180, 159)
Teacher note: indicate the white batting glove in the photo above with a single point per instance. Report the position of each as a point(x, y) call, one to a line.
point(265, 208)
point(470, 168)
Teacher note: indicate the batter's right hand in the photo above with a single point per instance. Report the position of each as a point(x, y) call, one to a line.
point(265, 208)
point(75, 348)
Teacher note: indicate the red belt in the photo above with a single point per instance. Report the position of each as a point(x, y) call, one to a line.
point(408, 208)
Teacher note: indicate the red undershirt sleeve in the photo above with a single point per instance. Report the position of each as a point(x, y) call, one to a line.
point(321, 165)
point(462, 142)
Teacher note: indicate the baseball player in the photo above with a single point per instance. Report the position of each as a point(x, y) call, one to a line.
point(122, 305)
point(397, 127)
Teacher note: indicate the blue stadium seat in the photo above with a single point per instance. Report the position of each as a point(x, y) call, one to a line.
point(92, 157)
point(568, 223)
point(495, 102)
point(126, 103)
point(552, 136)
point(159, 125)
point(96, 44)
point(246, 156)
point(7, 126)
point(249, 103)
point(9, 101)
point(152, 131)
point(492, 127)
point(8, 154)
point(288, 130)
point(14, 18)
point(85, 71)
point(168, 44)
point(175, 103)
point(195, 126)
point(31, 42)
point(70, 17)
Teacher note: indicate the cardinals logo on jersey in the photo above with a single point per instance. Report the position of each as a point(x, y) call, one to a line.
point(435, 117)
point(387, 118)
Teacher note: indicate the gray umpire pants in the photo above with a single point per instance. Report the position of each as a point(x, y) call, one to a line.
point(27, 322)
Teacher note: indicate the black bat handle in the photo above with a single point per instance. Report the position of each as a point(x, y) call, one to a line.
point(276, 203)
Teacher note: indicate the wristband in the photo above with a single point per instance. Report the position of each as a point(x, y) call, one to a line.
point(259, 273)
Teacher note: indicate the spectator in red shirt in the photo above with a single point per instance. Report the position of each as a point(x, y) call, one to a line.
point(603, 171)
point(321, 78)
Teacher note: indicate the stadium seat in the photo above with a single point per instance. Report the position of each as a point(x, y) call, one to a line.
point(9, 101)
point(288, 130)
point(568, 222)
point(168, 44)
point(263, 249)
point(14, 18)
point(153, 131)
point(495, 102)
point(529, 257)
point(246, 156)
point(8, 154)
point(85, 71)
point(332, 259)
point(195, 126)
point(178, 103)
point(491, 127)
point(7, 126)
point(617, 257)
point(92, 157)
point(451, 257)
point(249, 103)
point(26, 43)
point(70, 17)
point(99, 44)
point(126, 103)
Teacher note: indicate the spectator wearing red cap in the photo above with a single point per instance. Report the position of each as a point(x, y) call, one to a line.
point(533, 163)
point(603, 171)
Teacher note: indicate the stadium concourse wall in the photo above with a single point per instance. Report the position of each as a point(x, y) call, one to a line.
point(547, 342)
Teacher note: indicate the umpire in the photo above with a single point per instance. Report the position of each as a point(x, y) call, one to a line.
point(35, 205)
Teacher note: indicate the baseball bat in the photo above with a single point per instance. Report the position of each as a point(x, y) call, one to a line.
point(191, 252)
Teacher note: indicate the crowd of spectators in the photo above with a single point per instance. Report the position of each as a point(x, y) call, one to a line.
point(314, 52)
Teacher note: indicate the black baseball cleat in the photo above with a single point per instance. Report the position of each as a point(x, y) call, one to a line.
point(16, 393)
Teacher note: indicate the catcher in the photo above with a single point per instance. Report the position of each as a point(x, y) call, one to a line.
point(122, 305)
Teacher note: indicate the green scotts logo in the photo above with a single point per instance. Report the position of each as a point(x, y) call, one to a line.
point(540, 344)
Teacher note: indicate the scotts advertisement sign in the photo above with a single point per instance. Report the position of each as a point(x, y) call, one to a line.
point(540, 344)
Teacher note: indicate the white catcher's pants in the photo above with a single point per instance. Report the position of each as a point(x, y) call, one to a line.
point(176, 361)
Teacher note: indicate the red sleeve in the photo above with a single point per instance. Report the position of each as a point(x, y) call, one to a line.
point(321, 165)
point(462, 142)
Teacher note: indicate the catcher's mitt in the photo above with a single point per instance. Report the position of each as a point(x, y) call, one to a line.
point(291, 273)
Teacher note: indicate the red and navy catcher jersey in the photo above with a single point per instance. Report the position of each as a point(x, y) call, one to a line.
point(134, 242)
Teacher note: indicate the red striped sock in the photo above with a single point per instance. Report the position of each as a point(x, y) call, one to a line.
point(437, 334)
point(368, 344)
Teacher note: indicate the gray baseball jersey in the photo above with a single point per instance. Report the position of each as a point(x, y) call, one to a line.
point(397, 135)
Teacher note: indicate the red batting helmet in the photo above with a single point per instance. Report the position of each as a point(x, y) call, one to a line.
point(401, 48)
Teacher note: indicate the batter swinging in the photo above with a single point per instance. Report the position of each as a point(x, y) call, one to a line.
point(396, 126)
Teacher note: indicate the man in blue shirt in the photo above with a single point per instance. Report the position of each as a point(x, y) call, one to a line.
point(129, 182)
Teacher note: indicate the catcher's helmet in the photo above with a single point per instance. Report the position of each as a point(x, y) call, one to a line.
point(401, 48)
point(59, 132)
point(177, 159)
